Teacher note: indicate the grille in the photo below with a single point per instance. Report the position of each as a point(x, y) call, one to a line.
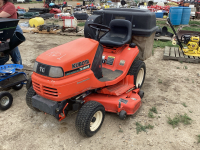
point(45, 90)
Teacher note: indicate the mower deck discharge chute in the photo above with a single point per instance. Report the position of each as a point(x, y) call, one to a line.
point(92, 75)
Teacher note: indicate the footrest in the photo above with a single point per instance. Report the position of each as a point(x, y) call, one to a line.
point(119, 88)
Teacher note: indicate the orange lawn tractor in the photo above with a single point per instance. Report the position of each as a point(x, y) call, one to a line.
point(92, 75)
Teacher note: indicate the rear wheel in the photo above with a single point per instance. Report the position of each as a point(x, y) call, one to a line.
point(6, 100)
point(30, 93)
point(90, 118)
point(138, 69)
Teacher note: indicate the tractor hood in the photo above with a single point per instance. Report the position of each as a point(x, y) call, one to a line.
point(70, 56)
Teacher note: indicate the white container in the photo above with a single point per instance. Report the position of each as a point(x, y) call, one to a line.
point(21, 1)
point(143, 7)
point(70, 22)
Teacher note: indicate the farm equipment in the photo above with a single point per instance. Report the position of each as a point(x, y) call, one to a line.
point(92, 75)
point(48, 27)
point(70, 23)
point(10, 74)
point(192, 42)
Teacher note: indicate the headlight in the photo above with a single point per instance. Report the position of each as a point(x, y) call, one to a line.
point(56, 72)
point(35, 66)
point(47, 70)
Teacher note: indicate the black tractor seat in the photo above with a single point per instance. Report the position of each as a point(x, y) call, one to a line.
point(120, 33)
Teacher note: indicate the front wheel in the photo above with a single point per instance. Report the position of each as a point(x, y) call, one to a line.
point(138, 70)
point(6, 100)
point(90, 118)
point(30, 93)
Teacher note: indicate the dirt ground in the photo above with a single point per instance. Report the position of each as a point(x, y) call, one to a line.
point(22, 128)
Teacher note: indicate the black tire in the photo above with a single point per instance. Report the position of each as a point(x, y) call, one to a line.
point(30, 93)
point(77, 29)
point(17, 86)
point(48, 29)
point(6, 100)
point(86, 116)
point(29, 83)
point(122, 114)
point(63, 29)
point(134, 70)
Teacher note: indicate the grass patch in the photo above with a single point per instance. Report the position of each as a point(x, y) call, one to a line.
point(177, 67)
point(120, 130)
point(159, 81)
point(185, 67)
point(185, 119)
point(140, 128)
point(194, 22)
point(179, 118)
point(191, 28)
point(159, 22)
point(162, 44)
point(34, 2)
point(198, 138)
point(184, 104)
point(150, 114)
point(153, 109)
point(81, 24)
point(174, 122)
point(187, 79)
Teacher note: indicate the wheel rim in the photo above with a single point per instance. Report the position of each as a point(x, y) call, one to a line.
point(4, 101)
point(140, 77)
point(96, 120)
point(18, 85)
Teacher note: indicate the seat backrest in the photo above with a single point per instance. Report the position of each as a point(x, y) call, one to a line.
point(121, 28)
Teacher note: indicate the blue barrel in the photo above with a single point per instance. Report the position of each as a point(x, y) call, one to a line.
point(186, 15)
point(175, 15)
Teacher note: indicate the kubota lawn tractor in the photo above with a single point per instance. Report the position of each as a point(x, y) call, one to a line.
point(92, 76)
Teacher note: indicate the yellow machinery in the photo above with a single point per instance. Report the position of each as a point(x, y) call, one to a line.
point(192, 42)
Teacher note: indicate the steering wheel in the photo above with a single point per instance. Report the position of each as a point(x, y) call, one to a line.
point(99, 28)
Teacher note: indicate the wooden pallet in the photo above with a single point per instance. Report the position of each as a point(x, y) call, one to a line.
point(35, 30)
point(173, 53)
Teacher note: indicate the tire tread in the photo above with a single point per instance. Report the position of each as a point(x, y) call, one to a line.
point(30, 93)
point(84, 115)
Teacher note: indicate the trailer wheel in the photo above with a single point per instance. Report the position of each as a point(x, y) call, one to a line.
point(17, 86)
point(77, 29)
point(90, 118)
point(138, 70)
point(6, 100)
point(30, 93)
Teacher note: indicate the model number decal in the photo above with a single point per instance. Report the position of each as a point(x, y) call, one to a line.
point(79, 64)
point(77, 70)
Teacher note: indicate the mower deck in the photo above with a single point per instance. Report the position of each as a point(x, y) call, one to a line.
point(130, 102)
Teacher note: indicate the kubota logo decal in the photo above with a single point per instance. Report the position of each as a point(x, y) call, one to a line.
point(82, 63)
